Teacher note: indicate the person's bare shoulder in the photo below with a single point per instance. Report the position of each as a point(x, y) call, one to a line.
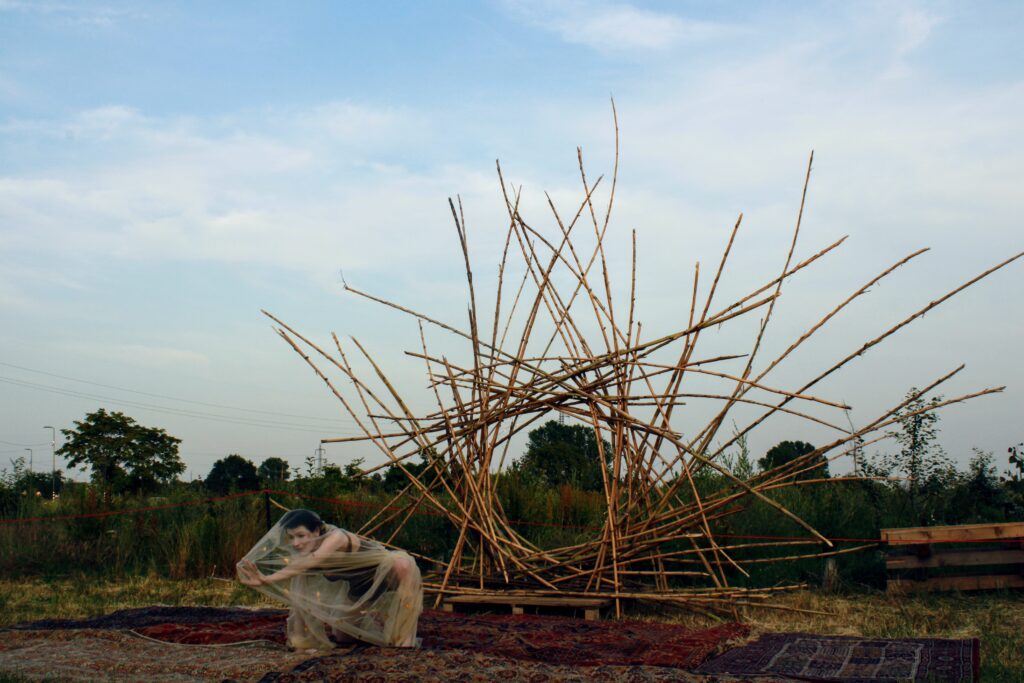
point(335, 540)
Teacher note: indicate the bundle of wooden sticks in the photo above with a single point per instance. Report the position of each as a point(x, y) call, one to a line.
point(560, 343)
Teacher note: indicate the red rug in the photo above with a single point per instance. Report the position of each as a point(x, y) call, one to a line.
point(572, 641)
point(269, 628)
point(553, 640)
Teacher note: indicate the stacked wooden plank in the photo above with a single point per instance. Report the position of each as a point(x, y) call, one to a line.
point(591, 607)
point(933, 558)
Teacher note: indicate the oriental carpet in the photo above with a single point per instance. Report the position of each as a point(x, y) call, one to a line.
point(553, 640)
point(852, 659)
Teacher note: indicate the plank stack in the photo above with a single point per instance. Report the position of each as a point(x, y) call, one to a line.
point(935, 558)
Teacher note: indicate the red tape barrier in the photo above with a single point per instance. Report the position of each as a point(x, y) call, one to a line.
point(379, 506)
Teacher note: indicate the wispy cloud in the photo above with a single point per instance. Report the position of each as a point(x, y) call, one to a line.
point(614, 26)
point(909, 154)
point(82, 14)
point(312, 196)
point(913, 27)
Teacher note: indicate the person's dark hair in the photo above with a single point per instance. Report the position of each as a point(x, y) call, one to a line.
point(307, 518)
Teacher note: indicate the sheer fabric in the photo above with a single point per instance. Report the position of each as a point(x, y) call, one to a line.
point(369, 593)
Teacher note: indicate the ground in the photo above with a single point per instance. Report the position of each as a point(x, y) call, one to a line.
point(996, 618)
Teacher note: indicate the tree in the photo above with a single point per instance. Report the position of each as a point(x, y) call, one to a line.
point(786, 452)
point(978, 495)
point(233, 473)
point(929, 471)
point(395, 479)
point(1015, 456)
point(19, 485)
point(122, 454)
point(565, 454)
point(1013, 480)
point(273, 470)
point(740, 464)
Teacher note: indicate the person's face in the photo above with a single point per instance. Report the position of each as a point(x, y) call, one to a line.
point(302, 540)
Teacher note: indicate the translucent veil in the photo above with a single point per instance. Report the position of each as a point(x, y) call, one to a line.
point(371, 593)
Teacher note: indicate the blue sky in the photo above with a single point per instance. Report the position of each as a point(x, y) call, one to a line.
point(168, 169)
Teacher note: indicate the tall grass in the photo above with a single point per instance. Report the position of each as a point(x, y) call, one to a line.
point(195, 538)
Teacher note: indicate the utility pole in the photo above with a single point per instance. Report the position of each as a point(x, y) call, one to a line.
point(29, 463)
point(320, 459)
point(53, 461)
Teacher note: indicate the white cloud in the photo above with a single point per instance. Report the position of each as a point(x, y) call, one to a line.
point(80, 14)
point(614, 26)
point(312, 197)
point(913, 28)
point(353, 124)
point(345, 185)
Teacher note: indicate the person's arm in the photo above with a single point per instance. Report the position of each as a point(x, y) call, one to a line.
point(334, 542)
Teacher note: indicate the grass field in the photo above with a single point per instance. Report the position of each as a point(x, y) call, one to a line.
point(996, 618)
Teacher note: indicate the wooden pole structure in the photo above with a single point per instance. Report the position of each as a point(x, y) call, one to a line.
point(571, 344)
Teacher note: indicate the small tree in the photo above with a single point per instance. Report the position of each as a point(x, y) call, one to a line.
point(929, 471)
point(978, 495)
point(1015, 456)
point(273, 470)
point(786, 452)
point(18, 486)
point(1013, 479)
point(233, 473)
point(122, 454)
point(740, 464)
point(20, 480)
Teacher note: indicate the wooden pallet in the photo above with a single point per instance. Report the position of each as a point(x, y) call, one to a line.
point(591, 606)
point(991, 545)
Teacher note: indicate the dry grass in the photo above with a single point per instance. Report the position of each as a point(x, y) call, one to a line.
point(996, 618)
point(73, 598)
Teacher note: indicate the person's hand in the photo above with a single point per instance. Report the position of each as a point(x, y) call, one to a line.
point(249, 575)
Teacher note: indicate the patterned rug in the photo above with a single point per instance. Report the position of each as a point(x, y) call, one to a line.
point(554, 640)
point(110, 655)
point(560, 640)
point(852, 659)
point(465, 666)
point(149, 616)
point(261, 627)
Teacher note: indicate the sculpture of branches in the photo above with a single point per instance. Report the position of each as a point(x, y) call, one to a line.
point(559, 342)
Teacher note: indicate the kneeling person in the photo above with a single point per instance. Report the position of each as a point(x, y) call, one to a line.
point(339, 586)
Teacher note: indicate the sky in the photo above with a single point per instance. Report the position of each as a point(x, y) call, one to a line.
point(167, 170)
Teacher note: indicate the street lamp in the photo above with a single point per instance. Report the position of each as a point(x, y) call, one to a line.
point(53, 462)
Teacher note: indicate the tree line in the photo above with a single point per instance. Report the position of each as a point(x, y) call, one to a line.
point(924, 485)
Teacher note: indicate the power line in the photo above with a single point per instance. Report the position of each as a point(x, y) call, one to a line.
point(229, 419)
point(173, 398)
point(242, 452)
point(24, 445)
